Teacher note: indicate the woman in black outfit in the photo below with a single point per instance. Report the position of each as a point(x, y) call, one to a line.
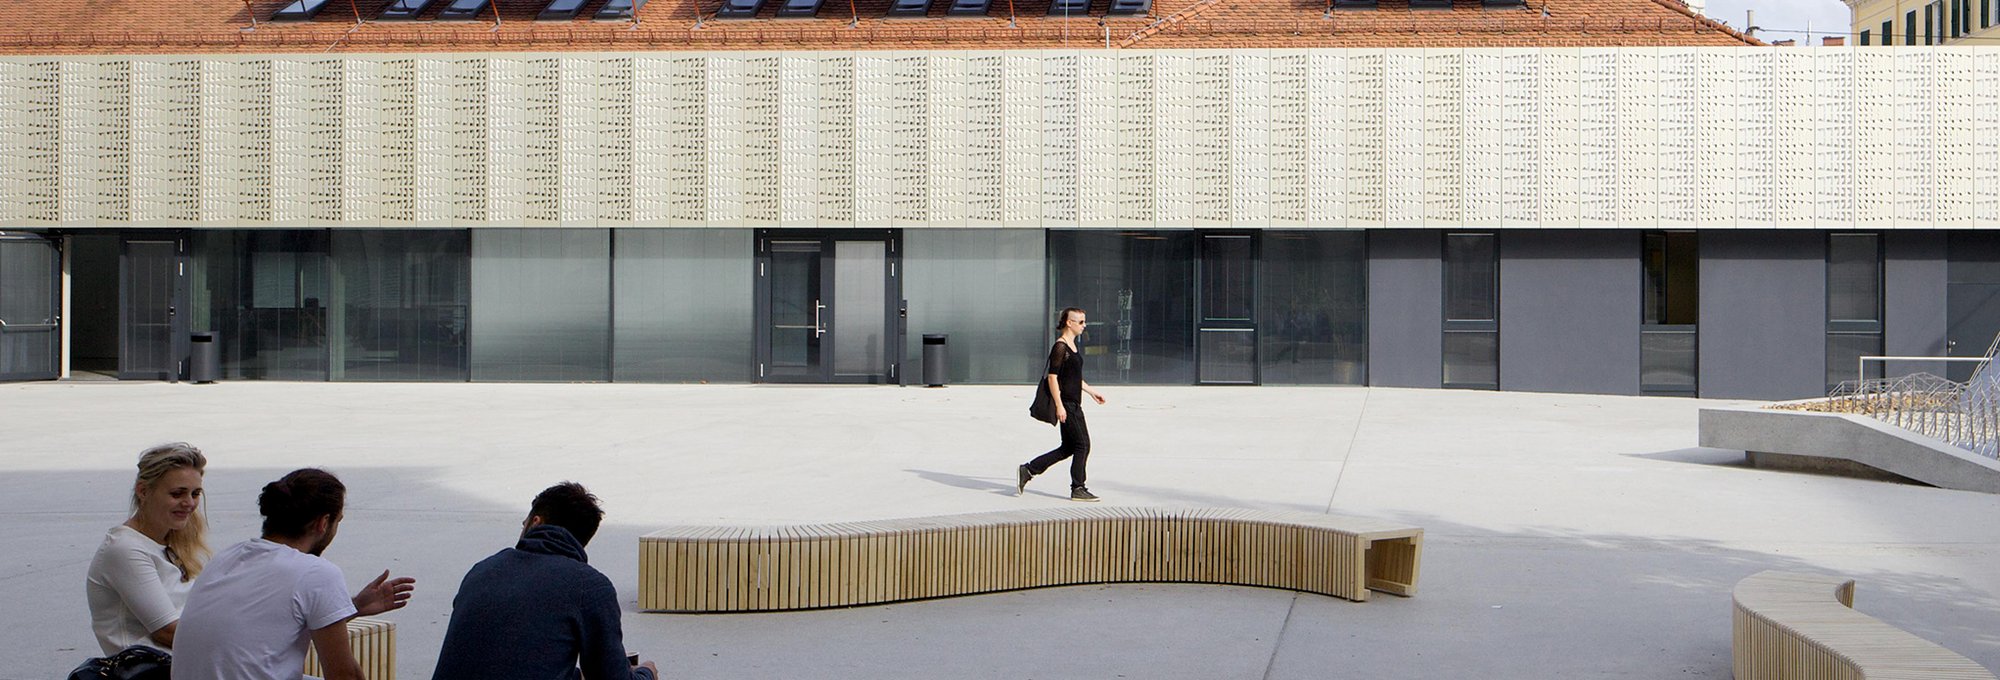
point(1065, 381)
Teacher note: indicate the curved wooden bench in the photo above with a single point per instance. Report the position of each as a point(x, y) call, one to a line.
point(373, 642)
point(1803, 626)
point(734, 569)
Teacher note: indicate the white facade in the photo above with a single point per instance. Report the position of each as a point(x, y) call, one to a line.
point(1642, 138)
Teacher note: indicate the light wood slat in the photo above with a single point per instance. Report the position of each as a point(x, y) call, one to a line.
point(770, 568)
point(1790, 626)
point(372, 641)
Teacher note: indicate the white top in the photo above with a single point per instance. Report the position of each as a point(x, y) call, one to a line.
point(252, 613)
point(132, 589)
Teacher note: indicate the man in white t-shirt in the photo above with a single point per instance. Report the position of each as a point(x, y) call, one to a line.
point(254, 610)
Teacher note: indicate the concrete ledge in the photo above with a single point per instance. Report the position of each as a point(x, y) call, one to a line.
point(1797, 435)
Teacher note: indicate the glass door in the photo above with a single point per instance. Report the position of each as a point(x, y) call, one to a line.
point(1228, 330)
point(30, 307)
point(828, 307)
point(152, 292)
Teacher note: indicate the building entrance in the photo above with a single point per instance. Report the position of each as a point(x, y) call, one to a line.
point(829, 306)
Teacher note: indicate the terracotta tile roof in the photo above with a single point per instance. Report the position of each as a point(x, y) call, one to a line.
point(205, 26)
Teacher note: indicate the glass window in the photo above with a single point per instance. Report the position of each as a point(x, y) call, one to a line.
point(984, 289)
point(1671, 279)
point(542, 299)
point(1843, 357)
point(683, 311)
point(402, 306)
point(1312, 308)
point(1135, 286)
point(1910, 28)
point(1226, 279)
point(1854, 278)
point(1471, 278)
point(1471, 359)
point(266, 295)
point(1667, 333)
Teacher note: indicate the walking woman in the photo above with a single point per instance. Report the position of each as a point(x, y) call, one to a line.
point(1065, 381)
point(140, 576)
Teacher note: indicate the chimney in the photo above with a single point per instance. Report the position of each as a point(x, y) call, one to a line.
point(1834, 41)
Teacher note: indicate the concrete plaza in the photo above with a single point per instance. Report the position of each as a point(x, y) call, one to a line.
point(1567, 536)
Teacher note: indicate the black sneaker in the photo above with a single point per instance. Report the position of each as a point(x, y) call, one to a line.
point(1021, 476)
point(1082, 495)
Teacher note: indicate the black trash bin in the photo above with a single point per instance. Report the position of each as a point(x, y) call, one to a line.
point(934, 360)
point(205, 366)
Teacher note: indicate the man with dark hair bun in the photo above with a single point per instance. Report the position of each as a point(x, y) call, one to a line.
point(538, 609)
point(260, 602)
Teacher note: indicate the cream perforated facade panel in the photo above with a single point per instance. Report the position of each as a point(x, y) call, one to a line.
point(1818, 138)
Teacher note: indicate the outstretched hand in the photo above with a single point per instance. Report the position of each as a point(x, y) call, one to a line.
point(384, 595)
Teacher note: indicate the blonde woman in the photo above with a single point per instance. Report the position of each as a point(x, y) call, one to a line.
point(140, 576)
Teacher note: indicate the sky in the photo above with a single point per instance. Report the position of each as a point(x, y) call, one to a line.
point(1783, 19)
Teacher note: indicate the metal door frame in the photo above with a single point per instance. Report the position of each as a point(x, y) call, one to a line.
point(177, 305)
point(894, 310)
point(53, 325)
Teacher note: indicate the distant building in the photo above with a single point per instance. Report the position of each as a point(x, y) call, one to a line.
point(1913, 22)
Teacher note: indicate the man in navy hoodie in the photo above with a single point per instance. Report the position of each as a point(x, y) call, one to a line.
point(539, 610)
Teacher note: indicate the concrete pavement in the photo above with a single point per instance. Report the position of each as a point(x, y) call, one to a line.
point(1567, 536)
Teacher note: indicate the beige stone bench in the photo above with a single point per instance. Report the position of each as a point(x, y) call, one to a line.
point(1803, 626)
point(733, 569)
point(373, 642)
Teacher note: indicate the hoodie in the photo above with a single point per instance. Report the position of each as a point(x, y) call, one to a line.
point(536, 611)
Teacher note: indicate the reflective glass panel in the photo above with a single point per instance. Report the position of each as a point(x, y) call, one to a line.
point(1667, 361)
point(28, 306)
point(683, 305)
point(266, 295)
point(1229, 355)
point(1471, 277)
point(1312, 314)
point(860, 284)
point(1854, 278)
point(401, 307)
point(1843, 356)
point(1472, 359)
point(1136, 289)
point(541, 305)
point(984, 289)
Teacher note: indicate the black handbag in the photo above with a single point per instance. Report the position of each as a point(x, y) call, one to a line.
point(137, 662)
point(1043, 408)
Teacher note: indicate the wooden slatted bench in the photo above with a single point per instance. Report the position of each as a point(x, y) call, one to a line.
point(1803, 626)
point(373, 642)
point(771, 568)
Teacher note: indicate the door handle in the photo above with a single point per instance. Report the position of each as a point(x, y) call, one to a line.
point(819, 329)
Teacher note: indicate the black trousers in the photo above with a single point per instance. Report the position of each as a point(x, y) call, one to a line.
point(1075, 446)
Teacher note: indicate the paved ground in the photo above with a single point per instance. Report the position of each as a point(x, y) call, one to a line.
point(1568, 536)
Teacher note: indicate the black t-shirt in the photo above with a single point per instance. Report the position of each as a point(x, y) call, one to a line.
point(1067, 367)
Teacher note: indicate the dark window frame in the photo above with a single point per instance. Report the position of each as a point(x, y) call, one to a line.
point(1486, 326)
point(1853, 328)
